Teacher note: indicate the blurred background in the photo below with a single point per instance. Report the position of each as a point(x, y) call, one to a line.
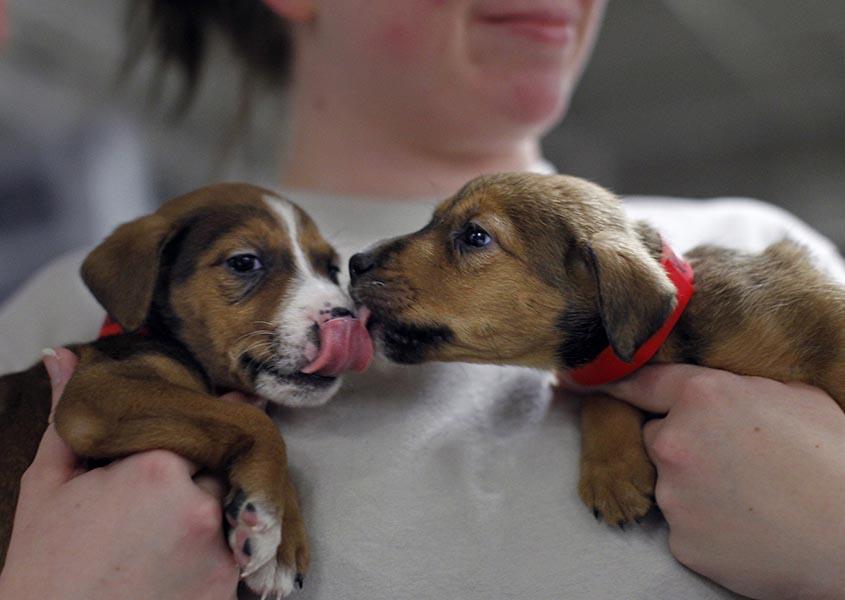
point(694, 98)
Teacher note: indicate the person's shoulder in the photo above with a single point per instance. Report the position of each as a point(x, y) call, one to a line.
point(53, 307)
point(742, 223)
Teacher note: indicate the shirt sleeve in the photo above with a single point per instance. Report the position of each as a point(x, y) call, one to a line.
point(740, 223)
point(53, 308)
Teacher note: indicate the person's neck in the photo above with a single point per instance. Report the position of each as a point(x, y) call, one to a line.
point(336, 152)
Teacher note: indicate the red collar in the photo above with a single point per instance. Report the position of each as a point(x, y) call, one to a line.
point(607, 367)
point(111, 328)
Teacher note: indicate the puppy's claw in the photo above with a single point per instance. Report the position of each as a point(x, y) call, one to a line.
point(617, 490)
point(299, 581)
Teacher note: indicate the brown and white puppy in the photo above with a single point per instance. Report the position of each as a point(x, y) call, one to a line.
point(229, 287)
point(547, 271)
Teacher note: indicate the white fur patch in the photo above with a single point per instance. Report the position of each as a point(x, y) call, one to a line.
point(264, 537)
point(291, 394)
point(273, 581)
point(309, 299)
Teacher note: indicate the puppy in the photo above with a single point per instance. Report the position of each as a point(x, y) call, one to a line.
point(548, 272)
point(229, 287)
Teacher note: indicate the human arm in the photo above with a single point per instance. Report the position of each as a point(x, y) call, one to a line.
point(751, 478)
point(141, 527)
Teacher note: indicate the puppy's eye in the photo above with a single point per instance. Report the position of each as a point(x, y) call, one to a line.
point(244, 263)
point(334, 273)
point(475, 237)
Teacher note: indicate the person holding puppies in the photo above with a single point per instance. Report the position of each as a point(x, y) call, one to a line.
point(168, 545)
point(450, 479)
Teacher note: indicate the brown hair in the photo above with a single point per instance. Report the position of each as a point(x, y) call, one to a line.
point(179, 31)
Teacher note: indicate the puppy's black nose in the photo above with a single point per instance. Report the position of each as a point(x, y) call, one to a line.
point(359, 264)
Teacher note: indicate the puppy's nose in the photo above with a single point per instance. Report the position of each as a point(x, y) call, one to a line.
point(336, 312)
point(359, 264)
point(339, 311)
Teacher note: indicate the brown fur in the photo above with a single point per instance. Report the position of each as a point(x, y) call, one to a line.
point(132, 393)
point(566, 275)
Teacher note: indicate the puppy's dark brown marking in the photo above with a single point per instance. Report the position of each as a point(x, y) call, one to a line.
point(584, 337)
point(24, 407)
point(409, 343)
point(202, 230)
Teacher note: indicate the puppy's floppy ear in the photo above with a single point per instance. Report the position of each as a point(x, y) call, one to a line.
point(635, 295)
point(123, 270)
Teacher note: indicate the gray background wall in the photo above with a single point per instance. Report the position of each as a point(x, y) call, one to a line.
point(693, 98)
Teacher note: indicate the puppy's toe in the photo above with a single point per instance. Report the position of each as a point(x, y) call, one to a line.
point(617, 490)
point(255, 531)
point(273, 581)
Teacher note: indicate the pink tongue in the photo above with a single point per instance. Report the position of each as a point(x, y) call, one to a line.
point(344, 345)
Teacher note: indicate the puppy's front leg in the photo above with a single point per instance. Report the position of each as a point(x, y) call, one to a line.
point(110, 410)
point(617, 478)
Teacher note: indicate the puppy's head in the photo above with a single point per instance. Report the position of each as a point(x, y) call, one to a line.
point(245, 281)
point(536, 270)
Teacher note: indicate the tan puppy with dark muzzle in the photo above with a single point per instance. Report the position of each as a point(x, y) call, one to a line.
point(229, 287)
point(548, 272)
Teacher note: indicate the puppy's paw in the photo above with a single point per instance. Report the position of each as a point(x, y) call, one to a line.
point(273, 581)
point(255, 531)
point(618, 489)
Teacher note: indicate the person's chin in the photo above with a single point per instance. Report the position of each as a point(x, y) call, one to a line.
point(534, 99)
point(530, 93)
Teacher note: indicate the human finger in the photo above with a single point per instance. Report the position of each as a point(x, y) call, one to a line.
point(650, 432)
point(808, 390)
point(656, 388)
point(160, 463)
point(54, 462)
point(234, 397)
point(60, 364)
point(211, 485)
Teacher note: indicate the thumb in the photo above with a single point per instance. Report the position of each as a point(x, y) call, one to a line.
point(60, 364)
point(54, 463)
point(655, 388)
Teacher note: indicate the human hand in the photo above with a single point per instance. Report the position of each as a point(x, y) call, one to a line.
point(139, 528)
point(751, 478)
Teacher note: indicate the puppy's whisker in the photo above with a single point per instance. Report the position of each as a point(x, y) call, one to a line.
point(263, 345)
point(252, 333)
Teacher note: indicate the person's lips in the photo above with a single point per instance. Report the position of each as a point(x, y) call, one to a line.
point(545, 26)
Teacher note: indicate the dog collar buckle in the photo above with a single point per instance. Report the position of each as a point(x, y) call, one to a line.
point(607, 367)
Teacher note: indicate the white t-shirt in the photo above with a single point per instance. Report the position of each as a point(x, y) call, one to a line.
point(446, 480)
